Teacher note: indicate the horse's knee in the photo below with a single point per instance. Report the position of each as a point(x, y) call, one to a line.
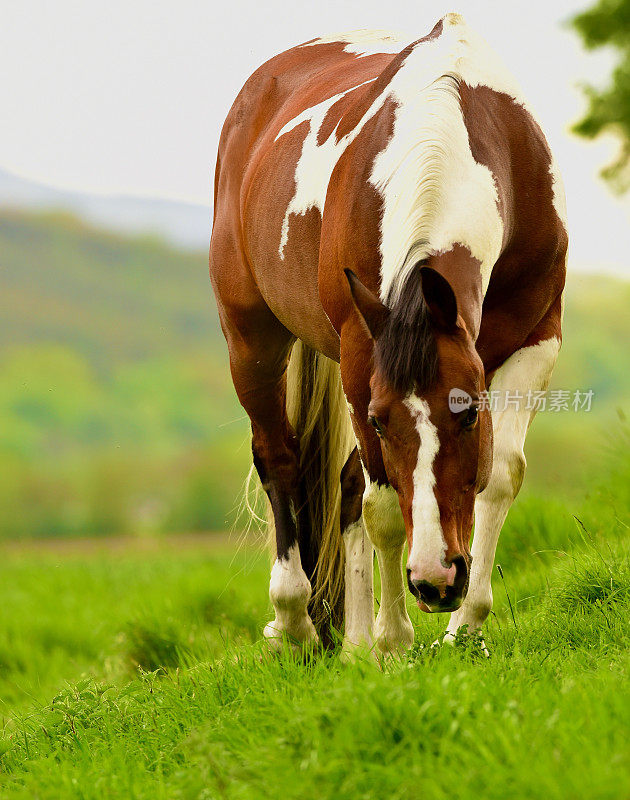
point(480, 606)
point(382, 517)
point(508, 471)
point(515, 466)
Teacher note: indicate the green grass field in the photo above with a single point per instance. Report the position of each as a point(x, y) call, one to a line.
point(137, 671)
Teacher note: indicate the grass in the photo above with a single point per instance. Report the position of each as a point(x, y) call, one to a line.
point(140, 674)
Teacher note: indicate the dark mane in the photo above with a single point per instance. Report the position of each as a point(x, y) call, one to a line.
point(406, 350)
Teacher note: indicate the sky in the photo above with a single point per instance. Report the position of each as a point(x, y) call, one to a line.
point(129, 96)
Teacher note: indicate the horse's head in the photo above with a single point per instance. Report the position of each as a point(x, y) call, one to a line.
point(435, 439)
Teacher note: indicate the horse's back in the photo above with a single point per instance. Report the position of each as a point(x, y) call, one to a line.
point(261, 144)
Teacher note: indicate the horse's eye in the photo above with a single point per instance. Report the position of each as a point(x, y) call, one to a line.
point(469, 417)
point(376, 425)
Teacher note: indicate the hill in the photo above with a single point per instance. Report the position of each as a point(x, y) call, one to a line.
point(116, 407)
point(183, 224)
point(117, 410)
point(112, 298)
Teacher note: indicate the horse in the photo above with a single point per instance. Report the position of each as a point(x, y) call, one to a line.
point(389, 244)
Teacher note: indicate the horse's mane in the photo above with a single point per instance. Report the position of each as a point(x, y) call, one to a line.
point(406, 350)
point(434, 192)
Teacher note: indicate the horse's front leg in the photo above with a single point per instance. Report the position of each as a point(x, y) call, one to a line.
point(382, 518)
point(527, 371)
point(393, 631)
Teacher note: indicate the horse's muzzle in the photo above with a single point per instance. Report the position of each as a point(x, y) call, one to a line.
point(443, 593)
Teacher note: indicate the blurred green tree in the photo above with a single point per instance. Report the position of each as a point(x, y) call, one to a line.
point(608, 24)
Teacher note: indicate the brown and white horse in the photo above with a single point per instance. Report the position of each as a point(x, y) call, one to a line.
point(389, 225)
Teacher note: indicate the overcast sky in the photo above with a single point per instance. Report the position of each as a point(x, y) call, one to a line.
point(128, 96)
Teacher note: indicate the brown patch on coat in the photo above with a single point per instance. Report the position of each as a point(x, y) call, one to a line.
point(529, 276)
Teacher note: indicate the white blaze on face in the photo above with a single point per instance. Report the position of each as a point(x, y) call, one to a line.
point(428, 548)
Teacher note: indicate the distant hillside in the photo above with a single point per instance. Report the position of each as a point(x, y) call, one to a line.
point(117, 412)
point(184, 224)
point(110, 297)
point(116, 298)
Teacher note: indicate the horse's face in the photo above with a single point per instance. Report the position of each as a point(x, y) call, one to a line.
point(436, 452)
point(437, 458)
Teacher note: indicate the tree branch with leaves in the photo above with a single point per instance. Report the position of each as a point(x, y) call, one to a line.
point(608, 24)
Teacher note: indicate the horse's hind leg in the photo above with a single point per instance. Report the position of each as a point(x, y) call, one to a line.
point(359, 582)
point(259, 347)
point(261, 387)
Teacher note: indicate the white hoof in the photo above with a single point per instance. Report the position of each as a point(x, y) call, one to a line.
point(297, 637)
point(393, 635)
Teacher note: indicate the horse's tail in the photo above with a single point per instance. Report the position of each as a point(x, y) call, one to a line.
point(317, 410)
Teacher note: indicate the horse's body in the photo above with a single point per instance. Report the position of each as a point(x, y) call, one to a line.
point(420, 170)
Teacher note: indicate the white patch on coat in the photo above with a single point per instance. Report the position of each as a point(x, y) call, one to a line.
point(364, 42)
point(428, 545)
point(479, 65)
point(316, 162)
point(435, 195)
point(289, 592)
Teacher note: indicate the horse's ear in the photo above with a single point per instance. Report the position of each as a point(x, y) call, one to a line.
point(439, 297)
point(373, 312)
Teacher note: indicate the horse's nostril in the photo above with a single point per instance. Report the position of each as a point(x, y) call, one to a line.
point(423, 590)
point(461, 574)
